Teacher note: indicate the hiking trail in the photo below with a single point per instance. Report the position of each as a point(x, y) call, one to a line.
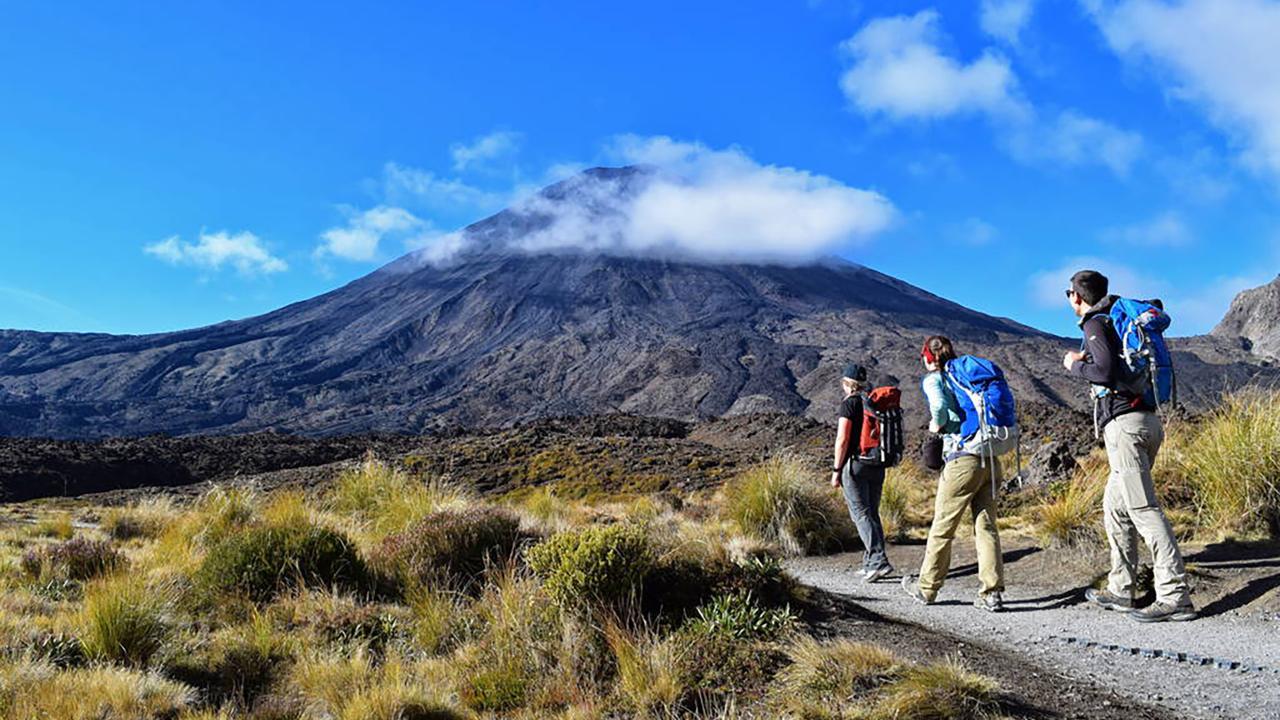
point(1223, 665)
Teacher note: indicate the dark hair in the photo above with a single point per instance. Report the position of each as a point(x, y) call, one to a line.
point(939, 346)
point(1090, 285)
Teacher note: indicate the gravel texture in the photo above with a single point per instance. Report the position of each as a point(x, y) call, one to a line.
point(1229, 667)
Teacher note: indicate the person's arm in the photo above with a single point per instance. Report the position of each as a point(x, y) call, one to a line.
point(844, 430)
point(1098, 365)
point(936, 397)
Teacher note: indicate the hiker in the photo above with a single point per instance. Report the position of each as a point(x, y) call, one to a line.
point(861, 478)
point(1125, 416)
point(967, 482)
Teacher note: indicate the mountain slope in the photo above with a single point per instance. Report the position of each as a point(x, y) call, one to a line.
point(1254, 316)
point(500, 335)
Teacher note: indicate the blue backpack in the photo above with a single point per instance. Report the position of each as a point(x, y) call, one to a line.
point(988, 416)
point(1140, 326)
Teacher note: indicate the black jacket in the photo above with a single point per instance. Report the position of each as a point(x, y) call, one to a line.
point(1103, 366)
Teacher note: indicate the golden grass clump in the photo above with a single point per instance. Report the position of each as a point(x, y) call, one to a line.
point(840, 670)
point(1072, 515)
point(781, 500)
point(387, 499)
point(124, 621)
point(1232, 464)
point(38, 690)
point(57, 525)
point(939, 690)
point(145, 520)
point(648, 670)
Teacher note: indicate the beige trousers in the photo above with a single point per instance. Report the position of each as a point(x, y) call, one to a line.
point(1130, 510)
point(965, 485)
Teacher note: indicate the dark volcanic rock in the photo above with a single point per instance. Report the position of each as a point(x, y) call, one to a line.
point(501, 337)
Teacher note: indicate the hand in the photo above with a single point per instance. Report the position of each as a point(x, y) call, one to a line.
point(1071, 358)
point(835, 478)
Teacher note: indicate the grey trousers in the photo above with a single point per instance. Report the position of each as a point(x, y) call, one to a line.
point(1130, 510)
point(862, 485)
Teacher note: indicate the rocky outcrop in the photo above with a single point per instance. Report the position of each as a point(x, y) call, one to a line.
point(1254, 318)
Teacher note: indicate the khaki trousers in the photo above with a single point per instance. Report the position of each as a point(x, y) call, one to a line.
point(965, 485)
point(1130, 510)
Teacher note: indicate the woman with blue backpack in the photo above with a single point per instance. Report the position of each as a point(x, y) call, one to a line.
point(971, 408)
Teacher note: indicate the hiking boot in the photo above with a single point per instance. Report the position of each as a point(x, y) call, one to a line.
point(862, 573)
point(1105, 600)
point(911, 583)
point(1160, 612)
point(991, 602)
point(878, 574)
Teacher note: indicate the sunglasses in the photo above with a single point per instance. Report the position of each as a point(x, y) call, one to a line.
point(1070, 292)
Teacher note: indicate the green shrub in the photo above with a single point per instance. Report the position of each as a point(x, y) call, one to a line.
point(782, 501)
point(451, 547)
point(124, 621)
point(739, 616)
point(600, 565)
point(1233, 464)
point(59, 649)
point(76, 559)
point(260, 562)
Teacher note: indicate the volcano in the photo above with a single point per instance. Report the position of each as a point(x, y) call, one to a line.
point(513, 328)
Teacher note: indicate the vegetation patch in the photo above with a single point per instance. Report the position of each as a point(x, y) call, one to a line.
point(75, 559)
point(451, 547)
point(595, 566)
point(260, 562)
point(781, 501)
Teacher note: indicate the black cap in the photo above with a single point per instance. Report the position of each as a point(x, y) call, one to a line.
point(854, 371)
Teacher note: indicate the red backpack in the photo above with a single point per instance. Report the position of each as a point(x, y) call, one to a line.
point(881, 442)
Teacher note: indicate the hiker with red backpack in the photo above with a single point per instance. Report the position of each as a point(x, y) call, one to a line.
point(971, 407)
point(1126, 362)
point(868, 440)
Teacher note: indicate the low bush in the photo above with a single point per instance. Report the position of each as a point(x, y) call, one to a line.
point(76, 559)
point(124, 621)
point(1233, 464)
point(450, 547)
point(260, 562)
point(60, 649)
point(714, 667)
point(601, 565)
point(782, 501)
point(740, 617)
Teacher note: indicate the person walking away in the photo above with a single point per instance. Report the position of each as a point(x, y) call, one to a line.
point(966, 483)
point(862, 482)
point(1132, 433)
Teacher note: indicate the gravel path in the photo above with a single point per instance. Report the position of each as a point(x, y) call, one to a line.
point(1037, 619)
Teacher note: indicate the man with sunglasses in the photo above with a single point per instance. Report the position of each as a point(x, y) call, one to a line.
point(1132, 433)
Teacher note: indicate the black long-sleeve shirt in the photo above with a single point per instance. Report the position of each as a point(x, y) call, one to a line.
point(1103, 367)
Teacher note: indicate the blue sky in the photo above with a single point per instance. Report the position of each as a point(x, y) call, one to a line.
point(168, 165)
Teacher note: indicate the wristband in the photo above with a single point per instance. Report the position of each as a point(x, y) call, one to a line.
point(836, 469)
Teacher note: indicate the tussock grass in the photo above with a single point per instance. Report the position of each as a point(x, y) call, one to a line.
point(826, 674)
point(1072, 514)
point(40, 690)
point(939, 690)
point(124, 621)
point(389, 500)
point(1232, 464)
point(57, 525)
point(361, 686)
point(146, 520)
point(648, 670)
point(782, 501)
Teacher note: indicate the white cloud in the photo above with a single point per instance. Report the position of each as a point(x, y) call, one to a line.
point(976, 232)
point(1047, 287)
point(1200, 311)
point(1167, 229)
point(483, 149)
point(898, 69)
point(1074, 140)
point(412, 187)
point(699, 203)
point(362, 236)
point(212, 251)
point(1219, 54)
point(1006, 19)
